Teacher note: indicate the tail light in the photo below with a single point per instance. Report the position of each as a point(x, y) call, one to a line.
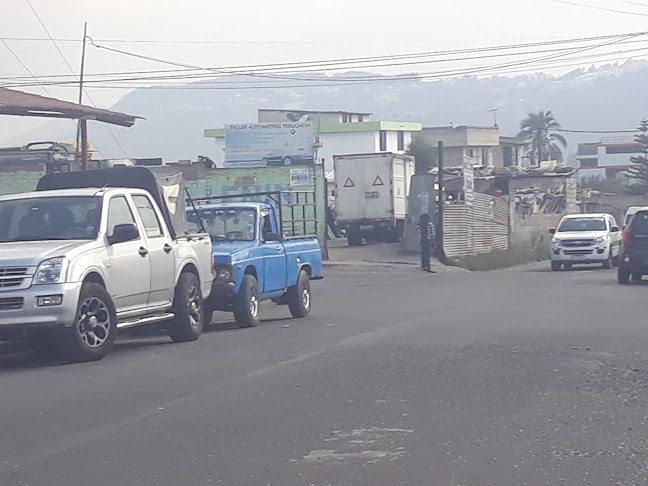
point(213, 267)
point(627, 234)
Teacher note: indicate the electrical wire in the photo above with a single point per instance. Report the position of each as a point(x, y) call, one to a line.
point(359, 61)
point(25, 67)
point(593, 7)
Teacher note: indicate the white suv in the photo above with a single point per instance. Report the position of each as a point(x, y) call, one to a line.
point(585, 238)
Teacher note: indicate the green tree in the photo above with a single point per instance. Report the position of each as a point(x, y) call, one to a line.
point(546, 143)
point(424, 153)
point(642, 139)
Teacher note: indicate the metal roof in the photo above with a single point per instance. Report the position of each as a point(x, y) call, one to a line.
point(18, 103)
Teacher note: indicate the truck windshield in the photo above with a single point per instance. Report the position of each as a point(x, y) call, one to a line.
point(582, 224)
point(50, 218)
point(225, 223)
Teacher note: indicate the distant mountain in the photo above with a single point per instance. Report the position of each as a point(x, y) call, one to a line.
point(605, 98)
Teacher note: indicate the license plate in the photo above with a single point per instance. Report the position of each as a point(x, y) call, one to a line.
point(578, 257)
point(371, 195)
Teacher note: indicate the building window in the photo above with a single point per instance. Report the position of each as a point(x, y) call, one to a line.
point(508, 156)
point(383, 141)
point(401, 141)
point(344, 118)
point(360, 118)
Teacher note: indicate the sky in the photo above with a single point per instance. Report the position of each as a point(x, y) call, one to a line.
point(247, 32)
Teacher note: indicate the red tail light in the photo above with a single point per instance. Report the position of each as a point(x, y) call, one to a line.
point(627, 233)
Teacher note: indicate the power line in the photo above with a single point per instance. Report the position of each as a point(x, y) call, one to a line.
point(630, 2)
point(365, 80)
point(594, 131)
point(25, 67)
point(360, 60)
point(593, 7)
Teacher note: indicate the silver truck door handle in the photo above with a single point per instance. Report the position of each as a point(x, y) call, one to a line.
point(279, 248)
point(167, 248)
point(142, 251)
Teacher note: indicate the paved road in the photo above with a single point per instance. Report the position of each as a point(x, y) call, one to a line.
point(399, 377)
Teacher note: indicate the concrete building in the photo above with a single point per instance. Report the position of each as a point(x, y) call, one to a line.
point(606, 157)
point(358, 134)
point(510, 153)
point(477, 144)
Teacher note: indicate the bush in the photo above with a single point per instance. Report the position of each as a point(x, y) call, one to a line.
point(499, 259)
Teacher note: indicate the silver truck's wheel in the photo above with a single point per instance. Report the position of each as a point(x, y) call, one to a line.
point(189, 319)
point(94, 330)
point(299, 296)
point(246, 303)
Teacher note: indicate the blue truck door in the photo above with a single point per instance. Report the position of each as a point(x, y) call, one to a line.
point(274, 256)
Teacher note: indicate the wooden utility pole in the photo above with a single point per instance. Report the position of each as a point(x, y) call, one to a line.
point(82, 127)
point(440, 205)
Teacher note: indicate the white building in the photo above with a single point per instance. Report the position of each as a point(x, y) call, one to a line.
point(338, 133)
point(606, 157)
point(461, 143)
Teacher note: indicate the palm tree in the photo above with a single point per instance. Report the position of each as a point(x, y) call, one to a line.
point(541, 128)
point(424, 153)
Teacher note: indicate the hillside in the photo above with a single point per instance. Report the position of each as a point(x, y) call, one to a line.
point(605, 98)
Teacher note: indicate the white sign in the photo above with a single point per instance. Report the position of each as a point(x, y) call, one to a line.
point(469, 183)
point(268, 144)
point(300, 177)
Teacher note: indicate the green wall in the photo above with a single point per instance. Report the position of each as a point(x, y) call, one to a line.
point(15, 182)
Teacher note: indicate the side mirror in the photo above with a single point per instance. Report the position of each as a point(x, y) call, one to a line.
point(272, 236)
point(615, 229)
point(552, 231)
point(124, 233)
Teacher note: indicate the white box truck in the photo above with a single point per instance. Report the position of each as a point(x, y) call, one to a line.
point(371, 195)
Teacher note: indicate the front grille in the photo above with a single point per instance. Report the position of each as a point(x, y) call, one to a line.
point(578, 252)
point(11, 303)
point(12, 276)
point(577, 243)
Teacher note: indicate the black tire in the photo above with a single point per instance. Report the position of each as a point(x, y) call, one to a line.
point(95, 326)
point(636, 277)
point(246, 303)
point(299, 296)
point(607, 264)
point(188, 307)
point(287, 161)
point(568, 266)
point(623, 276)
point(555, 266)
point(354, 238)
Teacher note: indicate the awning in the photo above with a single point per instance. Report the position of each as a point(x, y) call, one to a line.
point(26, 104)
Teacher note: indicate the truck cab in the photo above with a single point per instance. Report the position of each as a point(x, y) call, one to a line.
point(255, 262)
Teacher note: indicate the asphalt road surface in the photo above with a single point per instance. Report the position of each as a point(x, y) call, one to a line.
point(399, 377)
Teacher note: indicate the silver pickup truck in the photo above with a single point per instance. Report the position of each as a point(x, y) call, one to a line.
point(85, 256)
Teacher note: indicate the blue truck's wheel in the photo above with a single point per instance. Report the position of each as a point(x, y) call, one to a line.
point(299, 296)
point(246, 303)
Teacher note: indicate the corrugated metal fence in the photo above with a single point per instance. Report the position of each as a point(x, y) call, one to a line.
point(482, 228)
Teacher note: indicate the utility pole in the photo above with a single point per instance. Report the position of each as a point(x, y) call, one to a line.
point(440, 206)
point(81, 129)
point(494, 112)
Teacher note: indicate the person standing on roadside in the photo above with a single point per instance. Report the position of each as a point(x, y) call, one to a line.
point(425, 229)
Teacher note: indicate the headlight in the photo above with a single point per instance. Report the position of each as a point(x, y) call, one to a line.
point(555, 241)
point(225, 273)
point(599, 240)
point(51, 271)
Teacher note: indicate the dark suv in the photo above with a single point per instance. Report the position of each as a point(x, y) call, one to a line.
point(634, 250)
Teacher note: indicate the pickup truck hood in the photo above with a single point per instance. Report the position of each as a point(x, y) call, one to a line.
point(32, 253)
point(231, 251)
point(578, 235)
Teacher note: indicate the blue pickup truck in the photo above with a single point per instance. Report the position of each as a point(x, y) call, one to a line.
point(254, 262)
